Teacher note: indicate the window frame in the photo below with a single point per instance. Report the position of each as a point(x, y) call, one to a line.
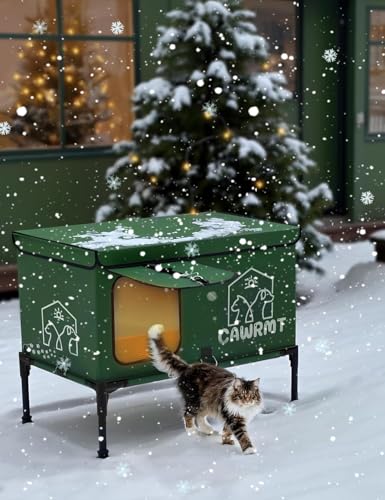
point(370, 136)
point(61, 151)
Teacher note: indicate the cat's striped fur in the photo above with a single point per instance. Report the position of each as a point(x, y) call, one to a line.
point(209, 391)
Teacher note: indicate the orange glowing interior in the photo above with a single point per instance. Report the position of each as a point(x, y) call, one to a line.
point(137, 306)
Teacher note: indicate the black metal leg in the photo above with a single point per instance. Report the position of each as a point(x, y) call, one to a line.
point(101, 402)
point(293, 356)
point(25, 368)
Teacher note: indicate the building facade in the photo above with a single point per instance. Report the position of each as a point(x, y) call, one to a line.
point(58, 52)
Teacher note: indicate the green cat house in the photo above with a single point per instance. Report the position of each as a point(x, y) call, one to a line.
point(223, 286)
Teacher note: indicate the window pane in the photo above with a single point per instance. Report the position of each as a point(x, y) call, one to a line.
point(276, 21)
point(377, 25)
point(20, 17)
point(95, 18)
point(99, 78)
point(28, 93)
point(376, 121)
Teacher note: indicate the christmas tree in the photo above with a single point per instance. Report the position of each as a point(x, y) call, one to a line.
point(210, 135)
point(85, 90)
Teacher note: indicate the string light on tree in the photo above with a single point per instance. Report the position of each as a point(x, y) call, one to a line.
point(186, 166)
point(260, 184)
point(281, 131)
point(227, 134)
point(134, 158)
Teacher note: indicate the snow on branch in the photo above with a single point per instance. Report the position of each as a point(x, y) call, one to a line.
point(249, 147)
point(181, 98)
point(200, 33)
point(219, 70)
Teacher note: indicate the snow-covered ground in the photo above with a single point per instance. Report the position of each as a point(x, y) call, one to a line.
point(329, 445)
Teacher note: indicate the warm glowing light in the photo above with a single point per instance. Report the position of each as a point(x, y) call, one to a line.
point(39, 96)
point(25, 91)
point(39, 81)
point(41, 53)
point(260, 184)
point(193, 211)
point(281, 131)
point(16, 76)
point(153, 179)
point(21, 111)
point(207, 115)
point(186, 166)
point(134, 158)
point(265, 66)
point(20, 55)
point(227, 134)
point(76, 51)
point(70, 31)
point(77, 103)
point(69, 78)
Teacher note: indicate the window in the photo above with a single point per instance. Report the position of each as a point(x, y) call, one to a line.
point(276, 20)
point(376, 91)
point(65, 77)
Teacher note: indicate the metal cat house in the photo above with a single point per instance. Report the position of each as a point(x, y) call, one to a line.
point(223, 286)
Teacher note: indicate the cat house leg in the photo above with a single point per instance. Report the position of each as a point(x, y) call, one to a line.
point(293, 356)
point(101, 402)
point(25, 368)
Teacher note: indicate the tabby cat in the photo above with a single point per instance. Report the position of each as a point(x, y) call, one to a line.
point(209, 391)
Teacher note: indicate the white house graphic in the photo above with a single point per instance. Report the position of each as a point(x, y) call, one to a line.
point(59, 328)
point(250, 298)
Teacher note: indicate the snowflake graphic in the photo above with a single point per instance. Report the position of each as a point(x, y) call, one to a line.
point(117, 27)
point(5, 128)
point(289, 409)
point(58, 314)
point(39, 27)
point(191, 249)
point(330, 55)
point(367, 198)
point(323, 346)
point(63, 364)
point(113, 182)
point(123, 470)
point(184, 487)
point(210, 108)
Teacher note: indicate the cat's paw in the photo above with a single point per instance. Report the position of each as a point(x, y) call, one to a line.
point(250, 451)
point(227, 441)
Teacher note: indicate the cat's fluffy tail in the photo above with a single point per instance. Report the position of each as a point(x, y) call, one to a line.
point(162, 358)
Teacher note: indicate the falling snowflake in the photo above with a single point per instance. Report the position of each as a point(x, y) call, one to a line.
point(39, 27)
point(114, 182)
point(367, 198)
point(191, 249)
point(58, 315)
point(117, 28)
point(210, 108)
point(323, 346)
point(289, 409)
point(63, 364)
point(5, 128)
point(183, 487)
point(330, 55)
point(123, 470)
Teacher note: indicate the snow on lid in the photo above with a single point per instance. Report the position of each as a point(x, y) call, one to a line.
point(122, 236)
point(378, 235)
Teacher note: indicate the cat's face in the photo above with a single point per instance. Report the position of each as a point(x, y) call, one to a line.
point(246, 392)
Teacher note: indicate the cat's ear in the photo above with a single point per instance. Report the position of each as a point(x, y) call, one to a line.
point(256, 382)
point(237, 384)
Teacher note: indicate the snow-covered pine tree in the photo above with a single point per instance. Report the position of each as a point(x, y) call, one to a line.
point(210, 135)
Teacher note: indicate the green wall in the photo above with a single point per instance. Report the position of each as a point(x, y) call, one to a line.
point(322, 126)
point(73, 186)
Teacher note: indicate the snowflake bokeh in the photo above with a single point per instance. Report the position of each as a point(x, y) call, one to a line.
point(323, 346)
point(39, 27)
point(210, 109)
point(63, 364)
point(113, 182)
point(117, 27)
point(330, 55)
point(289, 409)
point(184, 486)
point(123, 470)
point(367, 197)
point(191, 249)
point(5, 128)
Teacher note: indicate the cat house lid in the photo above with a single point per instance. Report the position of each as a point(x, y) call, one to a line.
point(140, 240)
